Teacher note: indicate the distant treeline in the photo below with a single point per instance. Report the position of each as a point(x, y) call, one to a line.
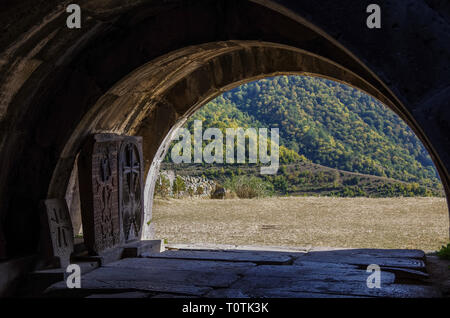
point(330, 124)
point(303, 179)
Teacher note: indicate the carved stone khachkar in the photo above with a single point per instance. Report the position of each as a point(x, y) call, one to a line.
point(111, 191)
point(131, 186)
point(58, 240)
point(97, 171)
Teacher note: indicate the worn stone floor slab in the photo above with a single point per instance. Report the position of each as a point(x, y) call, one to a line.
point(135, 294)
point(187, 277)
point(323, 289)
point(180, 264)
point(373, 252)
point(96, 287)
point(237, 248)
point(256, 273)
point(271, 293)
point(230, 256)
point(269, 275)
point(204, 277)
point(406, 273)
point(363, 260)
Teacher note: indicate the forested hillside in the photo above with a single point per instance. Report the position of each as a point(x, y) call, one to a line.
point(328, 123)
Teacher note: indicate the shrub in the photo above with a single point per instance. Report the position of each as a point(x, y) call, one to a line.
point(352, 181)
point(178, 186)
point(218, 193)
point(281, 184)
point(230, 195)
point(200, 190)
point(247, 187)
point(162, 186)
point(354, 191)
point(444, 252)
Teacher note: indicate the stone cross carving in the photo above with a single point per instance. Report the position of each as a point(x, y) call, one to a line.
point(58, 236)
point(97, 171)
point(110, 170)
point(131, 199)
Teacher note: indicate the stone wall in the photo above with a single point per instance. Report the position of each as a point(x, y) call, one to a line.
point(145, 67)
point(201, 187)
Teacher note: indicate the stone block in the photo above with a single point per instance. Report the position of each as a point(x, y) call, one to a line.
point(111, 186)
point(57, 236)
point(98, 182)
point(136, 249)
point(131, 188)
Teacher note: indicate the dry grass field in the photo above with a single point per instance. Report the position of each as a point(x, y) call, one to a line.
point(305, 221)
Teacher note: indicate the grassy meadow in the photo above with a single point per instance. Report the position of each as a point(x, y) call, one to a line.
point(305, 221)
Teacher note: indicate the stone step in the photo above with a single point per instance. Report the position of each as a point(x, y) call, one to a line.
point(130, 250)
point(228, 256)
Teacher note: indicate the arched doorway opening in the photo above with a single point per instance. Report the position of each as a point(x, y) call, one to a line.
point(159, 97)
point(232, 221)
point(67, 77)
point(62, 85)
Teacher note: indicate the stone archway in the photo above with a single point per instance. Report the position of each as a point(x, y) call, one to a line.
point(158, 97)
point(57, 85)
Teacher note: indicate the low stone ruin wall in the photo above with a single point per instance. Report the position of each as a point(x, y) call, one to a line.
point(194, 186)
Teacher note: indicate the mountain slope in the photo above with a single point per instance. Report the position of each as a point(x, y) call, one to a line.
point(306, 178)
point(327, 122)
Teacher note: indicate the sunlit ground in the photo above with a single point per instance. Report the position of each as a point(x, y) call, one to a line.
point(305, 222)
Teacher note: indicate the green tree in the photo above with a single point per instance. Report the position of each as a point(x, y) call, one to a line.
point(178, 186)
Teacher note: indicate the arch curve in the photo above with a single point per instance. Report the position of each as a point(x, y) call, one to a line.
point(57, 85)
point(158, 97)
